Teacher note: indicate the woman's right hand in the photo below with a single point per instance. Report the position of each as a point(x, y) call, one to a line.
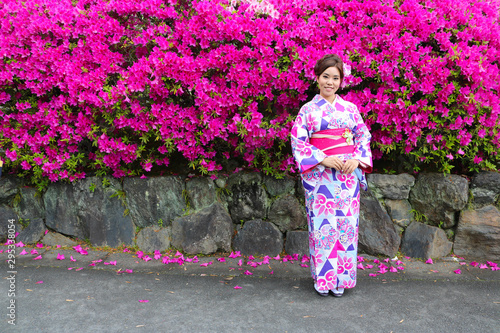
point(333, 162)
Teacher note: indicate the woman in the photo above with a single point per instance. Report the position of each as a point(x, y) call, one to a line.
point(331, 145)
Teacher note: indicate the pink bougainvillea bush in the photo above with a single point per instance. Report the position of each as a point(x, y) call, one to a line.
point(127, 87)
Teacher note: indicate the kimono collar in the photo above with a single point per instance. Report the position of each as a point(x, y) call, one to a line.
point(322, 103)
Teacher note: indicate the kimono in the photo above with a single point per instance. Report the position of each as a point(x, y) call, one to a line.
point(332, 198)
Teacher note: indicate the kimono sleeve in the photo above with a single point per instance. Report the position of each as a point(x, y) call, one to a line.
point(306, 155)
point(362, 138)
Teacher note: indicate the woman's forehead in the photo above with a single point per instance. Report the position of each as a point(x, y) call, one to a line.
point(331, 71)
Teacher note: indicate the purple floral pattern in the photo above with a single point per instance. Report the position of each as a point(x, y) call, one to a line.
point(332, 198)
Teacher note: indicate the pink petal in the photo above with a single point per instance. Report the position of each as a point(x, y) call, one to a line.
point(126, 250)
point(429, 261)
point(70, 268)
point(277, 257)
point(399, 262)
point(372, 274)
point(178, 254)
point(393, 269)
point(401, 268)
point(360, 266)
point(361, 259)
point(58, 246)
point(304, 265)
point(251, 258)
point(240, 263)
point(129, 271)
point(46, 232)
point(306, 258)
point(146, 258)
point(71, 258)
point(237, 287)
point(112, 263)
point(79, 269)
point(1, 251)
point(248, 273)
point(39, 245)
point(157, 256)
point(483, 266)
point(492, 264)
point(34, 251)
point(9, 242)
point(84, 252)
point(37, 258)
point(386, 259)
point(204, 265)
point(195, 259)
point(368, 266)
point(39, 282)
point(474, 263)
point(271, 272)
point(143, 301)
point(407, 257)
point(23, 252)
point(20, 244)
point(140, 254)
point(495, 268)
point(266, 260)
point(221, 259)
point(461, 263)
point(376, 261)
point(60, 257)
point(92, 264)
point(458, 271)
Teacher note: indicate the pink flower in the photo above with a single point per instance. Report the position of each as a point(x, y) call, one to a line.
point(237, 287)
point(39, 282)
point(60, 256)
point(372, 274)
point(37, 258)
point(458, 271)
point(221, 259)
point(393, 269)
point(248, 273)
point(143, 301)
point(429, 261)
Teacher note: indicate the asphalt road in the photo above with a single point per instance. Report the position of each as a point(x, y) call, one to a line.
point(104, 301)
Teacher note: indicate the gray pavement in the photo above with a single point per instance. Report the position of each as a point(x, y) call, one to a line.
point(193, 298)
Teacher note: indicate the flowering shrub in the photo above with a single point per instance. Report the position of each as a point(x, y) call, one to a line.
point(125, 86)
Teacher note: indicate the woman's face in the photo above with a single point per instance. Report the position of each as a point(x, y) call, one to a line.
point(329, 83)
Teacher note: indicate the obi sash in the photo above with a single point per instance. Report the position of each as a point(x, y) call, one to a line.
point(334, 141)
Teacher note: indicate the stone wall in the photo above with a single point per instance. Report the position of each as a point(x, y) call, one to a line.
point(427, 216)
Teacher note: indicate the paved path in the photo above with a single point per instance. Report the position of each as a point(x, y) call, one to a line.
point(191, 298)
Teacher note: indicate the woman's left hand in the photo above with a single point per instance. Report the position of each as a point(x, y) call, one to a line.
point(349, 166)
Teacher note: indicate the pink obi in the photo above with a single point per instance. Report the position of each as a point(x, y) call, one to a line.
point(334, 141)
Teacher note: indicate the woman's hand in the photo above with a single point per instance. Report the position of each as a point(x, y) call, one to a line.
point(333, 162)
point(349, 166)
